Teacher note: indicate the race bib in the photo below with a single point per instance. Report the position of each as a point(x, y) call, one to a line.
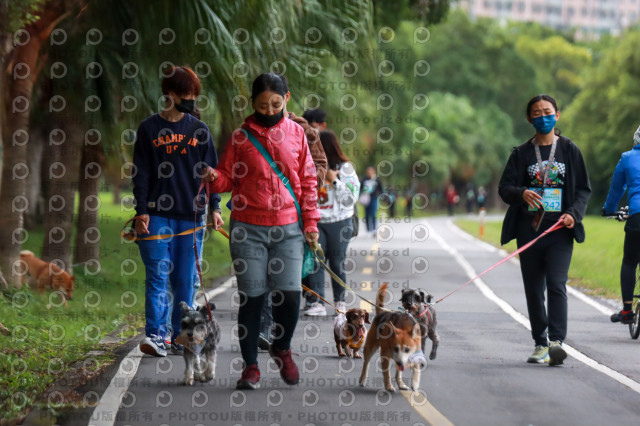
point(551, 200)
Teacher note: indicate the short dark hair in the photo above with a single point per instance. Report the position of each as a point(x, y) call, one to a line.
point(271, 81)
point(539, 98)
point(315, 116)
point(181, 81)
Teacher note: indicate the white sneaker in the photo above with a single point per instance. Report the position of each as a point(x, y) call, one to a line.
point(340, 306)
point(316, 310)
point(153, 345)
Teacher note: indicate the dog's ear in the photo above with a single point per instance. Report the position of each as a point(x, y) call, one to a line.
point(429, 297)
point(203, 309)
point(415, 332)
point(184, 308)
point(423, 296)
point(366, 317)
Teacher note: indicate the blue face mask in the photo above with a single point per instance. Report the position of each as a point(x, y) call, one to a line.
point(544, 124)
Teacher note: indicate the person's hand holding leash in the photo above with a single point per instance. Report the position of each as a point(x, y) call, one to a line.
point(532, 198)
point(216, 220)
point(210, 175)
point(311, 237)
point(142, 224)
point(568, 220)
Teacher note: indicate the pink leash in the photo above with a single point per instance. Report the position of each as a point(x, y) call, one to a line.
point(555, 227)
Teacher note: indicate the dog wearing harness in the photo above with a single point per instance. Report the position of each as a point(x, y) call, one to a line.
point(200, 335)
point(349, 331)
point(418, 304)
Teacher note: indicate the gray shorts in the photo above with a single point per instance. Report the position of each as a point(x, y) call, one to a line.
point(266, 258)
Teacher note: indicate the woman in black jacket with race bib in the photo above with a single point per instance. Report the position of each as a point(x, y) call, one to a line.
point(545, 180)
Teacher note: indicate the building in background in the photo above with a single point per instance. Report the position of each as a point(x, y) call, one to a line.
point(590, 18)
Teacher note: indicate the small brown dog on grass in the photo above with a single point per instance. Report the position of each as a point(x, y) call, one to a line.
point(397, 334)
point(47, 274)
point(349, 331)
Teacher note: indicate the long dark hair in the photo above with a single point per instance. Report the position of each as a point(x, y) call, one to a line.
point(332, 149)
point(271, 81)
point(539, 98)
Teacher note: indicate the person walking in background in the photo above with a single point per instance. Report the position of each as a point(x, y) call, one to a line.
point(316, 118)
point(541, 193)
point(370, 190)
point(481, 198)
point(171, 152)
point(266, 241)
point(471, 198)
point(336, 202)
point(452, 198)
point(626, 177)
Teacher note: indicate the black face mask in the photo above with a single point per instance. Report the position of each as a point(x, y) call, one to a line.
point(268, 120)
point(186, 105)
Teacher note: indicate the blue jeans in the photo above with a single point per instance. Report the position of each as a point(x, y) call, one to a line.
point(334, 239)
point(168, 262)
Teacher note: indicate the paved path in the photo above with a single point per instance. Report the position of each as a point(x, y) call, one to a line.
point(480, 376)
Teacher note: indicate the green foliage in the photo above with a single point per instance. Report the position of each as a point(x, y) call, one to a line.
point(603, 117)
point(16, 14)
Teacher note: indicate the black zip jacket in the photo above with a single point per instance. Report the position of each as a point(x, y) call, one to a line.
point(575, 196)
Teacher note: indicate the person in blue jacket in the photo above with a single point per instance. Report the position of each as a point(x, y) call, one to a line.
point(626, 177)
point(172, 151)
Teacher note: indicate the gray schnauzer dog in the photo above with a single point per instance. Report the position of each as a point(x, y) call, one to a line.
point(200, 338)
point(418, 304)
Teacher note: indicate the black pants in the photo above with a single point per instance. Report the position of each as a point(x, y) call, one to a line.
point(545, 266)
point(630, 258)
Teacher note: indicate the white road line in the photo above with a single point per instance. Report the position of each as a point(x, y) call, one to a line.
point(489, 294)
point(105, 412)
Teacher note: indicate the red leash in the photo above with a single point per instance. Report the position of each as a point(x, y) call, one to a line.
point(555, 227)
point(195, 245)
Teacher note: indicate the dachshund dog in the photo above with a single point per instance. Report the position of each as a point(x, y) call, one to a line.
point(349, 331)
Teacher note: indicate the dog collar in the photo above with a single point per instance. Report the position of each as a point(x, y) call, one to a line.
point(425, 312)
point(196, 349)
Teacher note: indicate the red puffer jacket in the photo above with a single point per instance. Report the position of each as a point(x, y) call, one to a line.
point(259, 197)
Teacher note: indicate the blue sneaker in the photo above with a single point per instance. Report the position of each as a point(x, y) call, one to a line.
point(153, 345)
point(177, 348)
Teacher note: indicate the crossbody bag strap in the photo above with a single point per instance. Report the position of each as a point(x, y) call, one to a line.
point(276, 169)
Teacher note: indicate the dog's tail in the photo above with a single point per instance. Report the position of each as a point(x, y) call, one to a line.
point(382, 291)
point(26, 253)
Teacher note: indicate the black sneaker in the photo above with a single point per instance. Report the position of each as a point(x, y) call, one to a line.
point(263, 342)
point(625, 317)
point(177, 348)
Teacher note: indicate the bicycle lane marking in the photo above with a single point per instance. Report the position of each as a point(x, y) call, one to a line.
point(105, 412)
point(520, 318)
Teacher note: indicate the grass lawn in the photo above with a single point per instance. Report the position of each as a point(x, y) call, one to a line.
point(595, 265)
point(47, 338)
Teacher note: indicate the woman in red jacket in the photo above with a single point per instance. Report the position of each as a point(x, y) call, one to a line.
point(266, 240)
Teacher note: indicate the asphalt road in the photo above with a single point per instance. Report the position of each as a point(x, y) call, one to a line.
point(480, 376)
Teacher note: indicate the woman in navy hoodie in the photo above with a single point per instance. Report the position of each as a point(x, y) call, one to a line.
point(627, 177)
point(172, 151)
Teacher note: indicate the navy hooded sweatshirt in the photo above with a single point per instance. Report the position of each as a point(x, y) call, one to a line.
point(169, 159)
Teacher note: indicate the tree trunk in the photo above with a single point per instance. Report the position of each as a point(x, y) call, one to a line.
point(21, 61)
point(63, 184)
point(33, 215)
point(87, 234)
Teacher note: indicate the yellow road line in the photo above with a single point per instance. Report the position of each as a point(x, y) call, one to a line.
point(370, 257)
point(367, 270)
point(366, 286)
point(419, 402)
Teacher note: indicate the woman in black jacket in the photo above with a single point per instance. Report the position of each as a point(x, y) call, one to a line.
point(545, 181)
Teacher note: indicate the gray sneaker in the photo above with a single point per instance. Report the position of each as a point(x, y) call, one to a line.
point(539, 356)
point(557, 354)
point(153, 345)
point(177, 349)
